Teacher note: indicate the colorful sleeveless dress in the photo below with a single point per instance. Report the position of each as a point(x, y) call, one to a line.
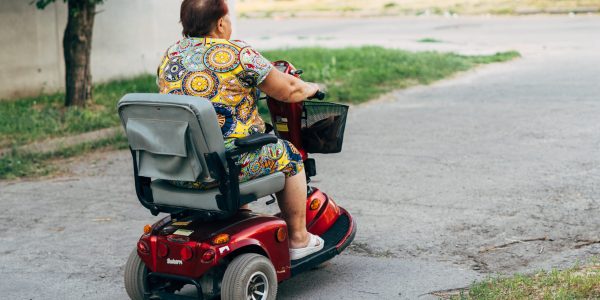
point(227, 72)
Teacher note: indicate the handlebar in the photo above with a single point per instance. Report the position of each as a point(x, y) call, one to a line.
point(318, 95)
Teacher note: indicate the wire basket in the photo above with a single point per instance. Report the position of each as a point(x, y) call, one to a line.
point(323, 126)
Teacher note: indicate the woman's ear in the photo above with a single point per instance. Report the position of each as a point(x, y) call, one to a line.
point(223, 29)
point(221, 25)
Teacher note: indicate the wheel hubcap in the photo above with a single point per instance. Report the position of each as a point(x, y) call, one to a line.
point(257, 287)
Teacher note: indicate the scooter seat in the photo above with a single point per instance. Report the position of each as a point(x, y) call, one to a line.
point(165, 193)
point(178, 138)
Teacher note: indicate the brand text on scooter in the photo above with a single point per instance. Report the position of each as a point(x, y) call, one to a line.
point(174, 261)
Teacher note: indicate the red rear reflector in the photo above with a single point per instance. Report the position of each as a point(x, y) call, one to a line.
point(163, 250)
point(178, 238)
point(143, 247)
point(208, 255)
point(186, 253)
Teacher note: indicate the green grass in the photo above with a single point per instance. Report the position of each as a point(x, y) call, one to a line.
point(429, 40)
point(27, 164)
point(390, 5)
point(36, 118)
point(574, 283)
point(353, 75)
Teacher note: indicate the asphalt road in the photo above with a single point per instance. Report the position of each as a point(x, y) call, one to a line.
point(447, 182)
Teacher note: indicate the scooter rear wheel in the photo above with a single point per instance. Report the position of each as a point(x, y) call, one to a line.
point(249, 276)
point(135, 276)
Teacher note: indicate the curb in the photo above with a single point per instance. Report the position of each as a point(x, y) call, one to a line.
point(55, 144)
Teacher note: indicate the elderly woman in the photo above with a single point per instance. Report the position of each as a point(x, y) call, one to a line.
point(207, 64)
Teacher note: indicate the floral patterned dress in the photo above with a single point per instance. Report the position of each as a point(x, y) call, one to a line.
point(227, 72)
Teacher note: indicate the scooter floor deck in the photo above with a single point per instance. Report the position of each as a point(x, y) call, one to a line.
point(332, 237)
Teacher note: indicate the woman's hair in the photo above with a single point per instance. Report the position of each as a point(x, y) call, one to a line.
point(199, 17)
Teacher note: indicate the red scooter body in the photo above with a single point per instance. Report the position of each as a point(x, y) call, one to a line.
point(188, 249)
point(167, 249)
point(287, 117)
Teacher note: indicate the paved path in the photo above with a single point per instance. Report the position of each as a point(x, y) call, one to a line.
point(436, 176)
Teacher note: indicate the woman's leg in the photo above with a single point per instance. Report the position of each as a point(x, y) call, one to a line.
point(292, 203)
point(282, 157)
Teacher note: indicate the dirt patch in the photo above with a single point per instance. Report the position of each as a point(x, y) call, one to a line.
point(364, 249)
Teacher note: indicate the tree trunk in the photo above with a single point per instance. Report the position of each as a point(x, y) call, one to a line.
point(77, 46)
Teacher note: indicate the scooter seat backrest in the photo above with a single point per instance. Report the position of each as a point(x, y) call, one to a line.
point(171, 135)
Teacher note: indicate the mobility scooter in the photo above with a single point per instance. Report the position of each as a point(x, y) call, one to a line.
point(206, 241)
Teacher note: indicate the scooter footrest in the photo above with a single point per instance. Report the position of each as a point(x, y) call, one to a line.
point(332, 237)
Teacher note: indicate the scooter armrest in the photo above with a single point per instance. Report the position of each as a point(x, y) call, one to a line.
point(252, 142)
point(256, 140)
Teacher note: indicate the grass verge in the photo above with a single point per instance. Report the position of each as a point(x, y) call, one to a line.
point(573, 283)
point(36, 118)
point(28, 164)
point(353, 75)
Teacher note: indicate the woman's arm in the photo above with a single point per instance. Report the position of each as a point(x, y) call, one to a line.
point(287, 88)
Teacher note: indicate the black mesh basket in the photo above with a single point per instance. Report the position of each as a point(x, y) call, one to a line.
point(323, 126)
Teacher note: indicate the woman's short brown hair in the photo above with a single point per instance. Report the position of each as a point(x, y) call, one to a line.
point(199, 17)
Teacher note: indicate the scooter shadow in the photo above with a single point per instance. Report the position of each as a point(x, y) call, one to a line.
point(316, 283)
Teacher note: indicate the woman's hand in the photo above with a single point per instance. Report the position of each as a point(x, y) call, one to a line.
point(287, 88)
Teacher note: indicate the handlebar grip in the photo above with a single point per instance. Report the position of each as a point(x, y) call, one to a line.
point(318, 95)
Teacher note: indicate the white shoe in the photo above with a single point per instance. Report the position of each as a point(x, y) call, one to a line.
point(315, 244)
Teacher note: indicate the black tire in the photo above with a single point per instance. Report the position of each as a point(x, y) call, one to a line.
point(246, 274)
point(135, 276)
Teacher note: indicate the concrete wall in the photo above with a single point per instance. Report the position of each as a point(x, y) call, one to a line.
point(129, 38)
point(29, 51)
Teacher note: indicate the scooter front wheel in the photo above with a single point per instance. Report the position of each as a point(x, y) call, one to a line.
point(135, 277)
point(249, 276)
